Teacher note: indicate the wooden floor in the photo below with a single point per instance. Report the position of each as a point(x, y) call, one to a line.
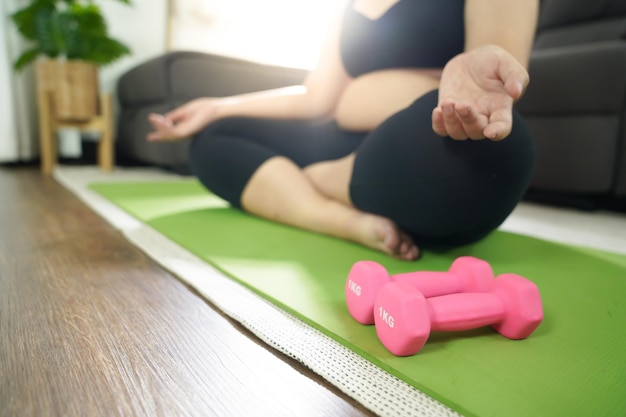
point(89, 326)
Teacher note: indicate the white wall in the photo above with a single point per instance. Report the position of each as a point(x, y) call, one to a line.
point(18, 112)
point(142, 26)
point(8, 131)
point(280, 32)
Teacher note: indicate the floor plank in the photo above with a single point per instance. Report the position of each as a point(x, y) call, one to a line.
point(89, 326)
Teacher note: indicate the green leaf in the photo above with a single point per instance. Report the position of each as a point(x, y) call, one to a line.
point(75, 29)
point(104, 50)
point(89, 20)
point(49, 33)
point(26, 58)
point(26, 19)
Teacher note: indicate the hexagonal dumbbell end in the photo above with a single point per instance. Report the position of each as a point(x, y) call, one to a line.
point(402, 319)
point(366, 278)
point(523, 310)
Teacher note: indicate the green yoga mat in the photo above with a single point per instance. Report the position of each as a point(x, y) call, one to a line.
point(573, 365)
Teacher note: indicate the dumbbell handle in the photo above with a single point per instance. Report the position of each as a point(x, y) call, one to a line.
point(457, 312)
point(432, 283)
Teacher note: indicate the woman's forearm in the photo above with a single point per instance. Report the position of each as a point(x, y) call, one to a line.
point(510, 24)
point(292, 102)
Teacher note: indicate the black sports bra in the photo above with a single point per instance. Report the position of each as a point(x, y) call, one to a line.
point(411, 34)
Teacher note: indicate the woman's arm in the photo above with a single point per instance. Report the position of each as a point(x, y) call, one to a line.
point(315, 99)
point(478, 87)
point(509, 24)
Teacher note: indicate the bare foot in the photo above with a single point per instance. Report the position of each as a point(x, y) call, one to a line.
point(382, 234)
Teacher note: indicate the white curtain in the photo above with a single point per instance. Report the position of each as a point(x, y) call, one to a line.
point(18, 110)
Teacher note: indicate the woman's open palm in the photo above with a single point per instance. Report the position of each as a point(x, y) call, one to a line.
point(476, 94)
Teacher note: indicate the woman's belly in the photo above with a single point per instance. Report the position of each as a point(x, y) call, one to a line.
point(371, 98)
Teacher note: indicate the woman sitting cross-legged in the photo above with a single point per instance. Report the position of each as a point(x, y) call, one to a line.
point(403, 136)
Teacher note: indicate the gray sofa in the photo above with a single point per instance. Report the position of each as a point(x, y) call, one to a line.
point(172, 79)
point(575, 104)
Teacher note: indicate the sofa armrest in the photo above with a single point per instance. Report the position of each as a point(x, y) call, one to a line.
point(182, 75)
point(585, 78)
point(206, 75)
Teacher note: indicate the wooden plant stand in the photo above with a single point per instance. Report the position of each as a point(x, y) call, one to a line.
point(67, 97)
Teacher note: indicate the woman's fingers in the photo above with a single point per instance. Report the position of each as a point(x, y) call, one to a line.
point(158, 120)
point(439, 126)
point(473, 123)
point(454, 126)
point(459, 121)
point(514, 77)
point(445, 124)
point(500, 124)
point(164, 128)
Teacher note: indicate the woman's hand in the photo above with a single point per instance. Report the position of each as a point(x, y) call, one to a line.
point(183, 121)
point(476, 94)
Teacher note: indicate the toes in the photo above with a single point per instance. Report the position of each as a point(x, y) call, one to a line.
point(406, 250)
point(409, 251)
point(412, 253)
point(390, 239)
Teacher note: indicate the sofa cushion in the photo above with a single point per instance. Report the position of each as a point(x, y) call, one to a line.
point(575, 153)
point(565, 12)
point(582, 33)
point(583, 79)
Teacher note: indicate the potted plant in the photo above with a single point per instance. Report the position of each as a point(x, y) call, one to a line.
point(68, 42)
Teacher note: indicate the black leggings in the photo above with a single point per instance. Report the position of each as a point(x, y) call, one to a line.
point(441, 191)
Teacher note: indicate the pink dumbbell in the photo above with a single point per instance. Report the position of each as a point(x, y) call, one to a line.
point(405, 318)
point(366, 278)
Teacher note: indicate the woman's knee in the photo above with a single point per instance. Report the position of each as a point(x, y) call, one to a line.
point(439, 189)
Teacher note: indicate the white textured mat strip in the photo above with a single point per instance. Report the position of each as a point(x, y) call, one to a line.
point(77, 180)
point(371, 386)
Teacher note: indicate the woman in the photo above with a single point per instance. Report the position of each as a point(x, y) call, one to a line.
point(382, 144)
